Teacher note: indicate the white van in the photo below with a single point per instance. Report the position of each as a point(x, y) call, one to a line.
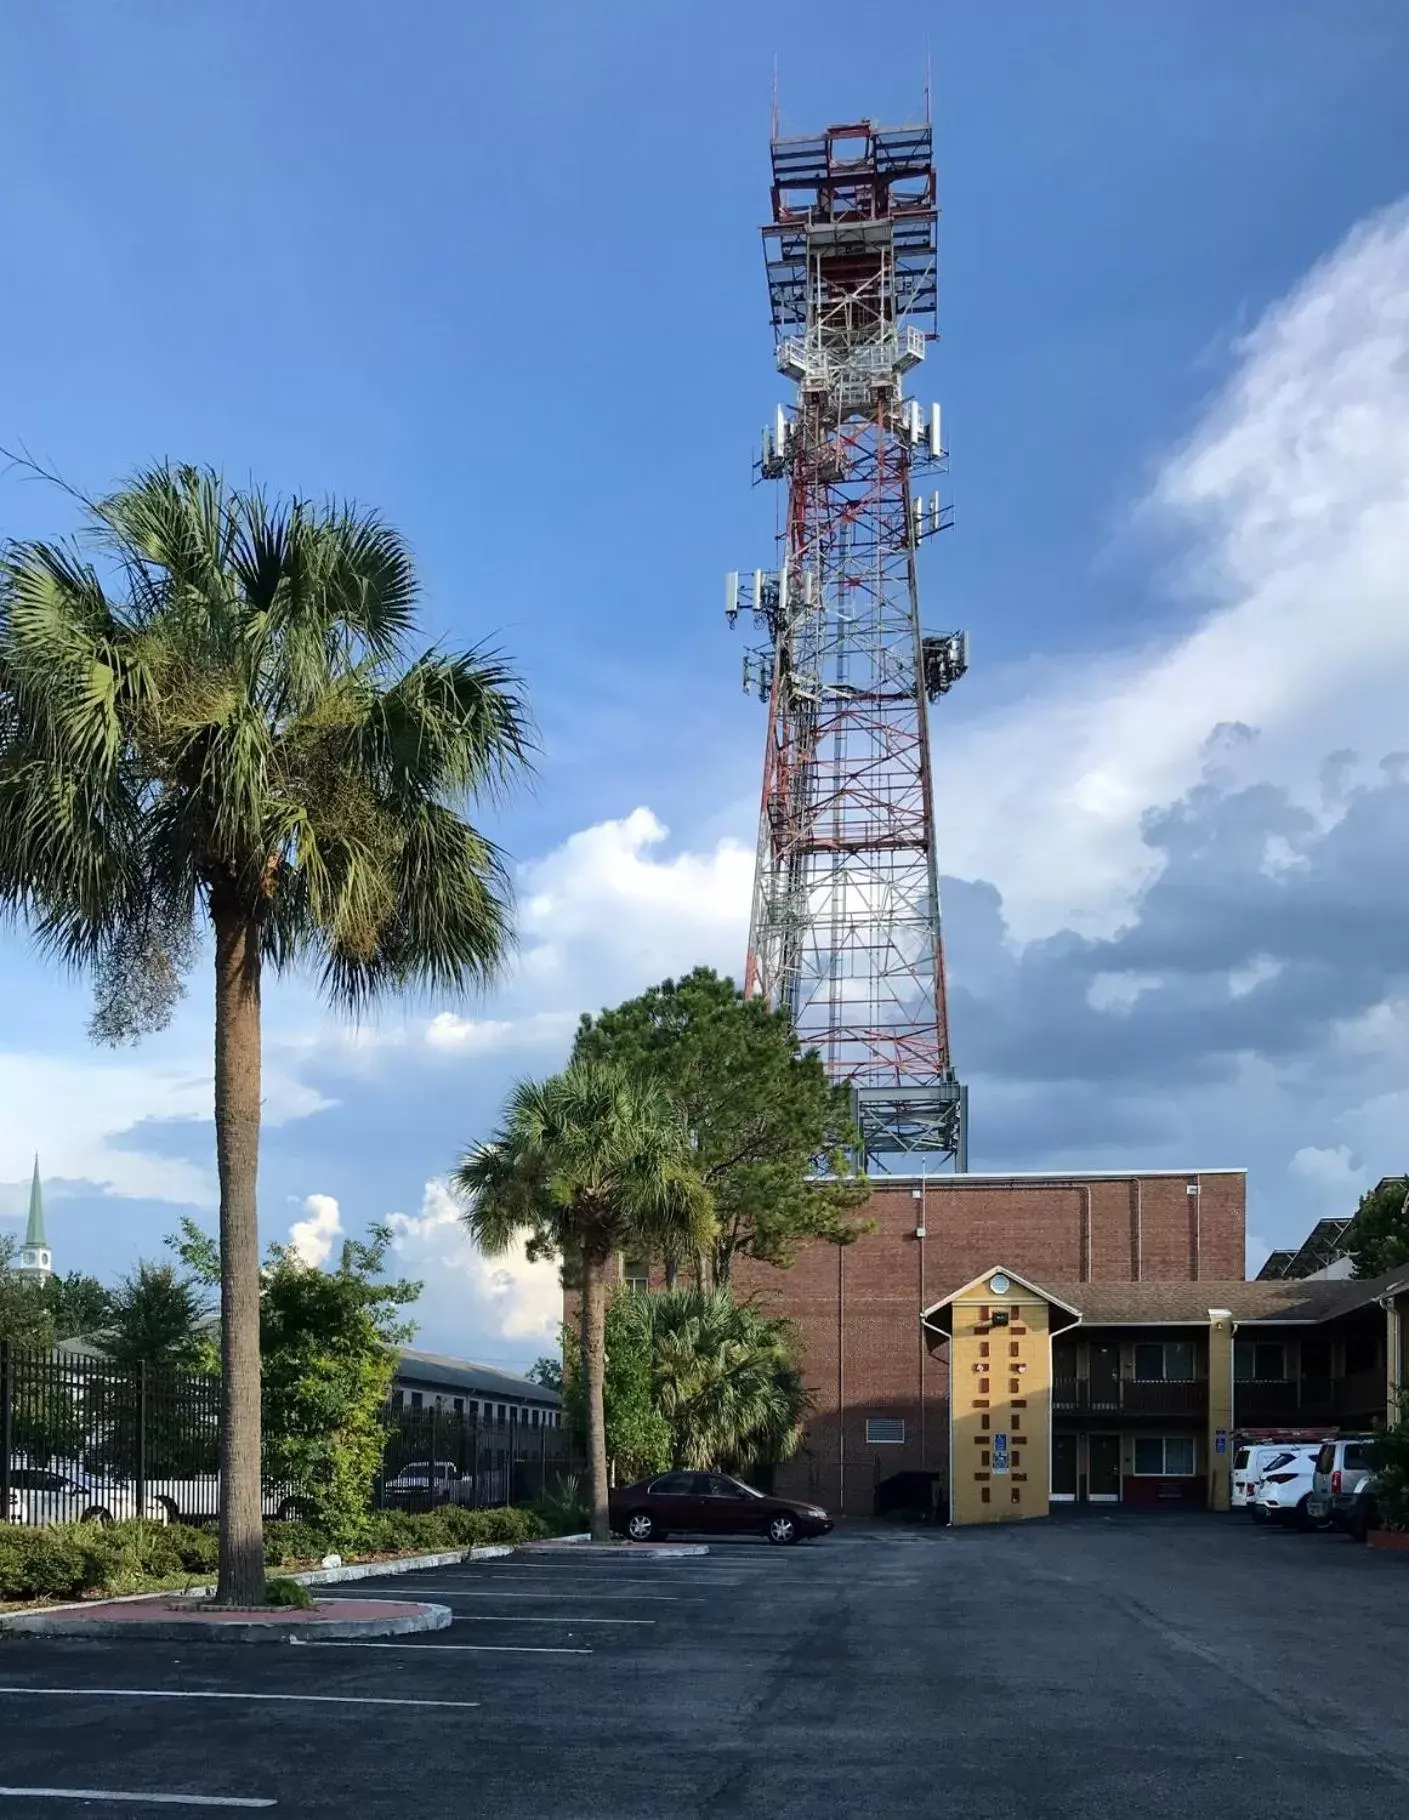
point(1249, 1464)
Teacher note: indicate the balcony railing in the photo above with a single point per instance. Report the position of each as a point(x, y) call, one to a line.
point(1129, 1397)
point(1275, 1402)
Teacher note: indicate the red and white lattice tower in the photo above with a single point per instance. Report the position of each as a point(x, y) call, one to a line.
point(845, 929)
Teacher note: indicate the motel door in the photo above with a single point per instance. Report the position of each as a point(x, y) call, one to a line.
point(1063, 1466)
point(1104, 1455)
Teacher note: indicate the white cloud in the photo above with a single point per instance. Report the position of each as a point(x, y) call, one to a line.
point(1118, 992)
point(606, 897)
point(1258, 972)
point(478, 1036)
point(473, 1301)
point(1333, 1176)
point(312, 1238)
point(1292, 496)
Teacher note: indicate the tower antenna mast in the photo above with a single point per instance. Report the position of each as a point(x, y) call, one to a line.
point(845, 926)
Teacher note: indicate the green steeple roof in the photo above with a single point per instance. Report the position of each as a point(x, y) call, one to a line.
point(34, 1234)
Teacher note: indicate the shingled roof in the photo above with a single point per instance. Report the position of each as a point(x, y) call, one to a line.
point(1116, 1304)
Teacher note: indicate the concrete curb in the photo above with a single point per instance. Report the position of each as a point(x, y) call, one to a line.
point(402, 1564)
point(614, 1551)
point(270, 1629)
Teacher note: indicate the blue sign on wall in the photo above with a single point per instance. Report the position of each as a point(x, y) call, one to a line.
point(1220, 1440)
point(1000, 1453)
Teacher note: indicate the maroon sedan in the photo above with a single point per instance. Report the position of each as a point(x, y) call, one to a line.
point(710, 1504)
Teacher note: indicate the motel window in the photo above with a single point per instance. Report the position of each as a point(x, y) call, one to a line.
point(501, 1415)
point(1164, 1457)
point(533, 1419)
point(1259, 1361)
point(1165, 1361)
point(884, 1431)
point(398, 1399)
point(1362, 1352)
point(474, 1408)
point(636, 1273)
point(416, 1399)
point(513, 1412)
point(459, 1406)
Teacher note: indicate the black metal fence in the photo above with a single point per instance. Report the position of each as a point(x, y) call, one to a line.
point(434, 1456)
point(82, 1438)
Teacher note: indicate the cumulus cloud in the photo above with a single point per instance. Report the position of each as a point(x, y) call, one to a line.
point(476, 1306)
point(1291, 499)
point(610, 904)
point(312, 1238)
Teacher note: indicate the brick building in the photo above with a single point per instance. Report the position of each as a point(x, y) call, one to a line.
point(880, 1382)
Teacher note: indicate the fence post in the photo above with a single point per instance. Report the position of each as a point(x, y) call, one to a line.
point(543, 1459)
point(7, 1428)
point(430, 1476)
point(141, 1439)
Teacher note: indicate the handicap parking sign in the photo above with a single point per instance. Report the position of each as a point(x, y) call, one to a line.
point(1000, 1453)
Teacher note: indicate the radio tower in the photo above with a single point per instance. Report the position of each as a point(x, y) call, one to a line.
point(845, 929)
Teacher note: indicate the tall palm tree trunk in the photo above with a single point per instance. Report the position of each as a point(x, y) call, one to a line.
point(594, 1353)
point(237, 1097)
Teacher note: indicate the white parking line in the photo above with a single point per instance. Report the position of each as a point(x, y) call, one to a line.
point(186, 1693)
point(433, 1649)
point(474, 1617)
point(439, 1593)
point(119, 1794)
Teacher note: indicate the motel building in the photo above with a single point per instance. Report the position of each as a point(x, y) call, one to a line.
point(1137, 1393)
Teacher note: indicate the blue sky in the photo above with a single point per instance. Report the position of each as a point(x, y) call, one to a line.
point(498, 272)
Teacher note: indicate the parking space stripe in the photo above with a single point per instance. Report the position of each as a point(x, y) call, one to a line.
point(433, 1649)
point(189, 1693)
point(120, 1794)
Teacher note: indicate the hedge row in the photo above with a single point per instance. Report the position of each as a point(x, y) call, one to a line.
point(78, 1560)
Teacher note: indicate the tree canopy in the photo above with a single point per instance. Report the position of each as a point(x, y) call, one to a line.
point(158, 1317)
point(328, 1341)
point(764, 1120)
point(1379, 1239)
point(80, 1304)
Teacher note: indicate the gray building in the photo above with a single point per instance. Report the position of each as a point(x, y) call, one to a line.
point(484, 1393)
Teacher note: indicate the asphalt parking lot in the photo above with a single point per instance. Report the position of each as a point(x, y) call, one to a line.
point(1164, 1667)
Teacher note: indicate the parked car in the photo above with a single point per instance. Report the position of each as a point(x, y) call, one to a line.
point(415, 1487)
point(1361, 1512)
point(1283, 1492)
point(710, 1503)
point(65, 1494)
point(1342, 1467)
point(1249, 1464)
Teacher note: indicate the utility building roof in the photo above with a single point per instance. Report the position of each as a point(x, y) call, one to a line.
point(446, 1373)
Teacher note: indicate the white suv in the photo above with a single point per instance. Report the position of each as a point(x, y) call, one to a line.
point(1342, 1467)
point(1249, 1464)
point(1283, 1492)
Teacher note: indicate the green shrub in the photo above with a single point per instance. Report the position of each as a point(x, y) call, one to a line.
point(74, 1560)
point(289, 1594)
point(563, 1509)
point(67, 1561)
point(1390, 1460)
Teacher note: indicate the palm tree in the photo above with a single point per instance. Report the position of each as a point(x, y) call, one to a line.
point(209, 713)
point(586, 1164)
point(723, 1378)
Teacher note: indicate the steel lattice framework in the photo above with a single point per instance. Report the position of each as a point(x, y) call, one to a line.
point(845, 928)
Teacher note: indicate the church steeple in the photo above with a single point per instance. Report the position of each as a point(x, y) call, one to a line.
point(36, 1261)
point(34, 1232)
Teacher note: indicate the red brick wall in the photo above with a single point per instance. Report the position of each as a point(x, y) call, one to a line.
point(857, 1311)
